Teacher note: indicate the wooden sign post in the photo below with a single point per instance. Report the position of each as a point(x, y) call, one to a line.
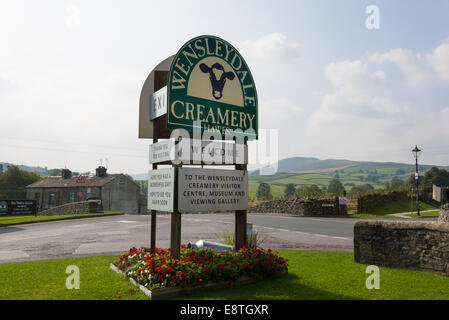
point(209, 91)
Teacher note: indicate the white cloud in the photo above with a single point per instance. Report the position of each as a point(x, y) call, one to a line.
point(418, 69)
point(346, 72)
point(368, 115)
point(273, 46)
point(439, 60)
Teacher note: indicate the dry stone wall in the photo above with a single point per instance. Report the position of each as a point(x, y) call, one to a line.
point(73, 208)
point(372, 201)
point(301, 207)
point(403, 244)
point(444, 214)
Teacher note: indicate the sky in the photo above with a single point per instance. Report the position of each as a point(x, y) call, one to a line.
point(335, 79)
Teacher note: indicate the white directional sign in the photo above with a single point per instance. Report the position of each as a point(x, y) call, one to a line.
point(158, 103)
point(189, 151)
point(207, 190)
point(161, 187)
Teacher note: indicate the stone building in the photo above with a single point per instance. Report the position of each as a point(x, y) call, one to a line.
point(440, 193)
point(117, 192)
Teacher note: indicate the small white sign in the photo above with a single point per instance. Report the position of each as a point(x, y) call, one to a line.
point(212, 190)
point(158, 103)
point(162, 151)
point(161, 187)
point(342, 201)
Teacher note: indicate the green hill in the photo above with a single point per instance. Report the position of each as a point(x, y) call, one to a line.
point(308, 171)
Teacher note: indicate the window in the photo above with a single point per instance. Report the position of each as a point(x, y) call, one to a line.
point(51, 199)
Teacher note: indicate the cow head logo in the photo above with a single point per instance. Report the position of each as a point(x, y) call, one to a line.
point(217, 85)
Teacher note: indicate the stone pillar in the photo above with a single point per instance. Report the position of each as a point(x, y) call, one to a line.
point(444, 214)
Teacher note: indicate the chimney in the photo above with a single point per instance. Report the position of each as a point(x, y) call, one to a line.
point(100, 172)
point(66, 174)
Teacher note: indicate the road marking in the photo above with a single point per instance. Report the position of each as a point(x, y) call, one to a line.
point(306, 233)
point(126, 221)
point(340, 220)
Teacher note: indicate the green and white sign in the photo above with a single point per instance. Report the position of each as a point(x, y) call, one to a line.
point(210, 88)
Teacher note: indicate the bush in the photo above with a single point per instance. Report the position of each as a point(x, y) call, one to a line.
point(196, 267)
point(264, 191)
point(254, 239)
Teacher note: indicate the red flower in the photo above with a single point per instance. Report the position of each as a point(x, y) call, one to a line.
point(131, 290)
point(220, 267)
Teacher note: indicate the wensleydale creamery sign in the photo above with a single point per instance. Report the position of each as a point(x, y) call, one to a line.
point(210, 88)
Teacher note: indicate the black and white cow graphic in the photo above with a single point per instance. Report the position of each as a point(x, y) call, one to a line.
point(217, 85)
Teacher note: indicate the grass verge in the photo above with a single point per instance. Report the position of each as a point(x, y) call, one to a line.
point(392, 207)
point(434, 213)
point(319, 275)
point(19, 219)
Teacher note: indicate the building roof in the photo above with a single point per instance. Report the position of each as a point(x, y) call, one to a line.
point(59, 182)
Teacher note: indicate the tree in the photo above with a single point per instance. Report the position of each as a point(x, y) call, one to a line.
point(361, 190)
point(55, 172)
point(13, 182)
point(397, 184)
point(308, 191)
point(335, 187)
point(313, 190)
point(436, 176)
point(264, 191)
point(289, 189)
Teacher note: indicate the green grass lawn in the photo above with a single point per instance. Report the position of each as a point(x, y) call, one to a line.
point(433, 213)
point(392, 207)
point(45, 280)
point(17, 219)
point(318, 275)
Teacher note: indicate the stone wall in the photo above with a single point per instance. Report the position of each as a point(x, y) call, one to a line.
point(444, 214)
point(403, 244)
point(372, 201)
point(81, 207)
point(301, 207)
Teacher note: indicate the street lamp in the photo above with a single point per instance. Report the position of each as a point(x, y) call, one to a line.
point(416, 153)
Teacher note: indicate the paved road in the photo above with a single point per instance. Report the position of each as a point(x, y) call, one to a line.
point(117, 234)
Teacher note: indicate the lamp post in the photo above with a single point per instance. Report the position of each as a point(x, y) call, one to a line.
point(416, 153)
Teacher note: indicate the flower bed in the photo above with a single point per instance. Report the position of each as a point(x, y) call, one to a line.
point(197, 267)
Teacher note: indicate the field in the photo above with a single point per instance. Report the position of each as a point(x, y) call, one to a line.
point(375, 174)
